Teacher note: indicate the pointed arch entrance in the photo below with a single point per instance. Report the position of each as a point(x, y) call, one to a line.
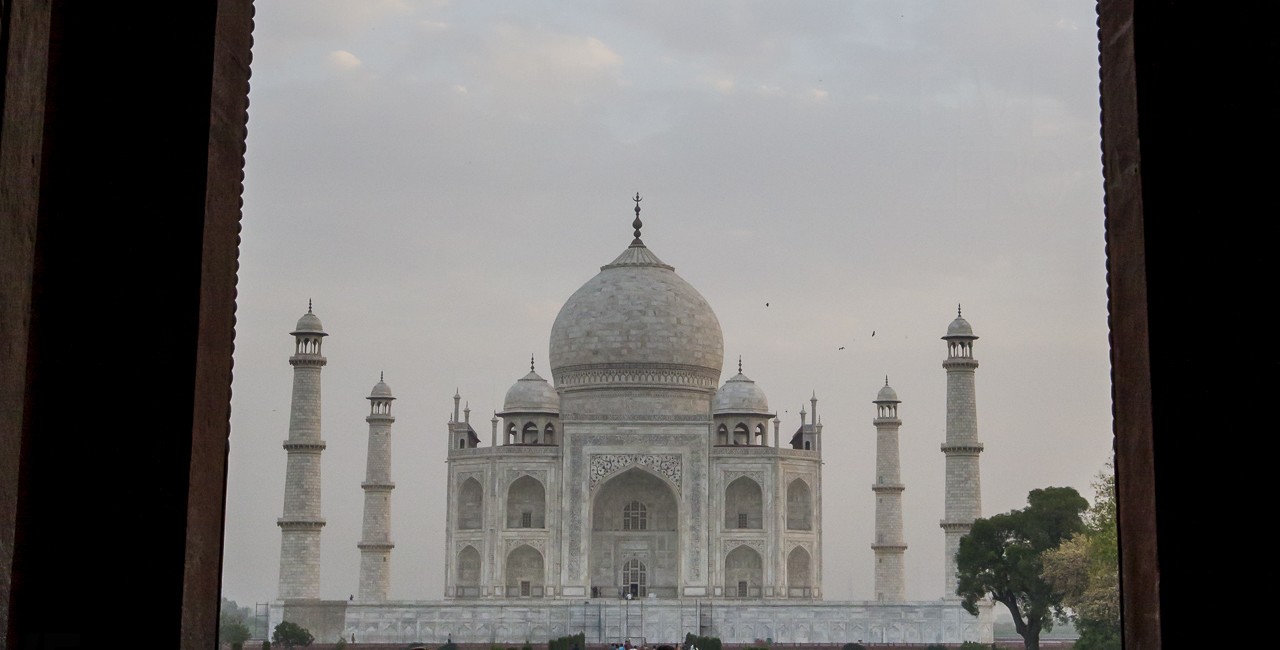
point(799, 583)
point(526, 573)
point(743, 573)
point(635, 536)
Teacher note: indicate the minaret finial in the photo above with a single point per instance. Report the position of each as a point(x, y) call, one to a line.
point(308, 305)
point(958, 311)
point(531, 363)
point(739, 364)
point(637, 224)
point(381, 376)
point(886, 380)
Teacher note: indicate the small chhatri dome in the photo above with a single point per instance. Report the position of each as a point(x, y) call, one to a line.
point(887, 394)
point(740, 395)
point(309, 323)
point(959, 327)
point(531, 394)
point(381, 390)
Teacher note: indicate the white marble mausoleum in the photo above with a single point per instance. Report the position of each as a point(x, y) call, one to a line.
point(631, 495)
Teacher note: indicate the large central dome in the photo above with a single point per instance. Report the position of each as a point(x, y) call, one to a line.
point(637, 323)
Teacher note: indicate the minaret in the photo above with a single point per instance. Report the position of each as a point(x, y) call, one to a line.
point(375, 544)
point(889, 547)
point(300, 526)
point(963, 486)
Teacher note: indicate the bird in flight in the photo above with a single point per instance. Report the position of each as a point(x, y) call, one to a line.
point(840, 348)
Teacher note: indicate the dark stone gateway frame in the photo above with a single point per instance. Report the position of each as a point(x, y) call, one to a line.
point(121, 157)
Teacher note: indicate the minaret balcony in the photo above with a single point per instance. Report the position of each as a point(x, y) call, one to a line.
point(880, 422)
point(888, 487)
point(962, 449)
point(375, 546)
point(960, 363)
point(891, 548)
point(304, 445)
point(378, 486)
point(300, 524)
point(307, 360)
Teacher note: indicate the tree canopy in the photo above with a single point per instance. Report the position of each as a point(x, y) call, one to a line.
point(1000, 558)
point(233, 625)
point(1086, 569)
point(290, 634)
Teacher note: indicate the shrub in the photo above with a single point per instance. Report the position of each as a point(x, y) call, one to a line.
point(973, 645)
point(701, 642)
point(853, 646)
point(573, 642)
point(290, 635)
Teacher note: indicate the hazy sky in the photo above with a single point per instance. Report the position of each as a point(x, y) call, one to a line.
point(439, 178)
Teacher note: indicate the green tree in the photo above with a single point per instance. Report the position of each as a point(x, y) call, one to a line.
point(290, 635)
point(1000, 558)
point(233, 625)
point(234, 633)
point(1086, 569)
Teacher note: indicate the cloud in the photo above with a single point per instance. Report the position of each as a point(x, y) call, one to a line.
point(538, 61)
point(343, 60)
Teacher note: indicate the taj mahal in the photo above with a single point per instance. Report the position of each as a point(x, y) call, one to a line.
point(630, 496)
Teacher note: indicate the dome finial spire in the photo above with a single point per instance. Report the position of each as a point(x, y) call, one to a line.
point(382, 376)
point(886, 380)
point(958, 311)
point(308, 305)
point(531, 363)
point(739, 364)
point(637, 224)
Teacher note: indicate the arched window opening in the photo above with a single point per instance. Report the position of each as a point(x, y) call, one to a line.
point(798, 581)
point(468, 585)
point(635, 579)
point(635, 516)
point(529, 435)
point(526, 503)
point(511, 434)
point(722, 435)
point(525, 573)
point(740, 435)
point(743, 573)
point(549, 434)
point(743, 505)
point(760, 436)
point(799, 506)
point(470, 505)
